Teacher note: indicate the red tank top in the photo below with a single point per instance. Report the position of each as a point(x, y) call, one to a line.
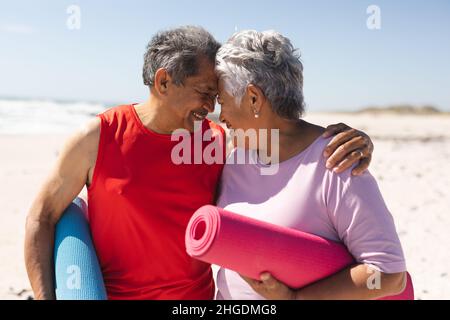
point(140, 202)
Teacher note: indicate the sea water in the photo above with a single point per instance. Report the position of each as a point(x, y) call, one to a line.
point(48, 116)
point(36, 116)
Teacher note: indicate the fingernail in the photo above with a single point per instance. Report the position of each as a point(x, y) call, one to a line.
point(336, 170)
point(325, 154)
point(265, 276)
point(328, 165)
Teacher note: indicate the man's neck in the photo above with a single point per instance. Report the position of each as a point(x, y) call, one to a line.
point(155, 117)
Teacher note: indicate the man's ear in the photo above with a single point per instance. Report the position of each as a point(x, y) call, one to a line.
point(255, 98)
point(162, 80)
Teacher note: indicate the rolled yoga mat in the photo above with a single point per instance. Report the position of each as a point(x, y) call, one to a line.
point(77, 270)
point(250, 247)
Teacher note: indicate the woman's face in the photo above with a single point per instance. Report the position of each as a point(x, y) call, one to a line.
point(240, 118)
point(233, 115)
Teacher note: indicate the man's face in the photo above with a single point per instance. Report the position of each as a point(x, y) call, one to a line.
point(196, 98)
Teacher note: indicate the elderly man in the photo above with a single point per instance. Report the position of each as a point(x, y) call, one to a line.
point(139, 200)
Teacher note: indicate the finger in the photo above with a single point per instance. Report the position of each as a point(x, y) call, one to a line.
point(332, 129)
point(363, 165)
point(250, 281)
point(354, 154)
point(350, 160)
point(339, 140)
point(246, 278)
point(257, 286)
point(269, 281)
point(345, 149)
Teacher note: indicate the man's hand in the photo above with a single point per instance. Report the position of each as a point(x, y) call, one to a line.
point(346, 148)
point(270, 288)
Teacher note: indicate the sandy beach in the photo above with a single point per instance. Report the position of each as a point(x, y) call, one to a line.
point(411, 163)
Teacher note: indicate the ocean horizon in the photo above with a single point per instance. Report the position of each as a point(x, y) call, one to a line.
point(24, 115)
point(51, 116)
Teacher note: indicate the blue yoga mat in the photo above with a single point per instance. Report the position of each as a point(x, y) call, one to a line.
point(77, 270)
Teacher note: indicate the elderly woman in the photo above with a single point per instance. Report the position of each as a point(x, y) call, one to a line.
point(260, 87)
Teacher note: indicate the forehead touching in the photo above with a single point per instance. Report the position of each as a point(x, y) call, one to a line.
point(206, 78)
point(221, 87)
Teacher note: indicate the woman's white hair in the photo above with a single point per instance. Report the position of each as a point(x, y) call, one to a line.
point(268, 60)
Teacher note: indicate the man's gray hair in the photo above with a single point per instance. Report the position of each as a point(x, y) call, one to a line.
point(268, 60)
point(178, 50)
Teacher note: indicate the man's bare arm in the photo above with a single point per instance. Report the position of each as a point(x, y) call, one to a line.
point(71, 172)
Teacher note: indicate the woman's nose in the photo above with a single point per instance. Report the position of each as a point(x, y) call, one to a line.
point(221, 118)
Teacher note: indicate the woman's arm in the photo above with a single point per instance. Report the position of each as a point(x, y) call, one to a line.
point(365, 226)
point(358, 282)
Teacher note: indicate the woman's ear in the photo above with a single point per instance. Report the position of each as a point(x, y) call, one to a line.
point(256, 98)
point(162, 80)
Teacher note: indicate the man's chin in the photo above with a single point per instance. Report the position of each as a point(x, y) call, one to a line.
point(193, 124)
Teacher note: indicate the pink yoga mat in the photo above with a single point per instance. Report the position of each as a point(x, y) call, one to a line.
point(249, 247)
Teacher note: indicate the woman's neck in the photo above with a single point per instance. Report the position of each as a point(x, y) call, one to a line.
point(293, 138)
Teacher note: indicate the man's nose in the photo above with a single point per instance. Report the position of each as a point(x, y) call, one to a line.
point(210, 105)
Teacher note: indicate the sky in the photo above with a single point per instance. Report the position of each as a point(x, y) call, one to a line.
point(346, 64)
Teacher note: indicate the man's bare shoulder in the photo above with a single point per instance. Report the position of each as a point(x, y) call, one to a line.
point(87, 136)
point(91, 128)
point(82, 145)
